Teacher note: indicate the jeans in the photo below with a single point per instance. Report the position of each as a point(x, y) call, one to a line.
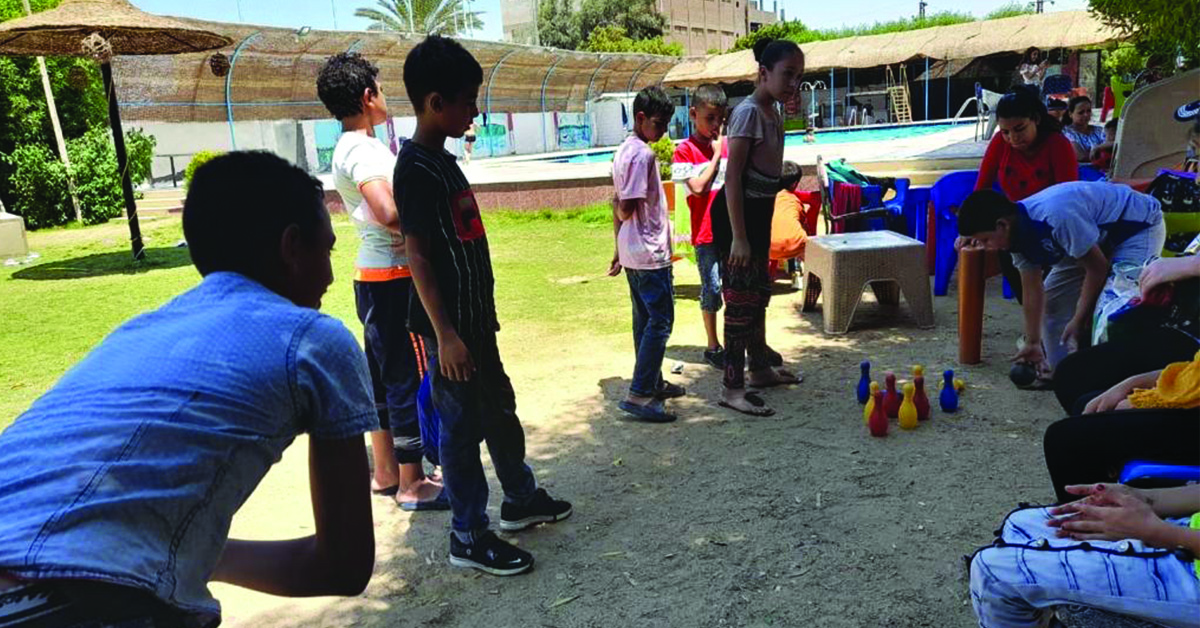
point(484, 408)
point(1095, 447)
point(708, 261)
point(747, 294)
point(1016, 582)
point(392, 356)
point(653, 296)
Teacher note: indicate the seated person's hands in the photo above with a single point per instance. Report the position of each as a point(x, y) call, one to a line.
point(1108, 512)
point(1115, 398)
point(1166, 270)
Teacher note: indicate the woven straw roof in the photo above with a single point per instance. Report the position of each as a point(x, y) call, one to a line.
point(1063, 29)
point(274, 75)
point(60, 31)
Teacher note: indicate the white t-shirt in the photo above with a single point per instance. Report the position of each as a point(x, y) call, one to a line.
point(357, 160)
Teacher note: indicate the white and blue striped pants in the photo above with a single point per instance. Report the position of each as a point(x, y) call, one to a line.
point(1028, 571)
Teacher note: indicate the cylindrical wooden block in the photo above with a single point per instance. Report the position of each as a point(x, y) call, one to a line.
point(970, 304)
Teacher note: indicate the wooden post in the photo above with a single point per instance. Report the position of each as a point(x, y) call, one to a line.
point(114, 118)
point(970, 304)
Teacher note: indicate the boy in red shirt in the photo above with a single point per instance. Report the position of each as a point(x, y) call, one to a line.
point(699, 165)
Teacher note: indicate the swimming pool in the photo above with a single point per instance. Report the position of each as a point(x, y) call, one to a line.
point(841, 136)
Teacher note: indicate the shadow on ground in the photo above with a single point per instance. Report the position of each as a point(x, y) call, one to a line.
point(105, 264)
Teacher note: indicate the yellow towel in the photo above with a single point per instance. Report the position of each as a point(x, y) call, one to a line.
point(1178, 387)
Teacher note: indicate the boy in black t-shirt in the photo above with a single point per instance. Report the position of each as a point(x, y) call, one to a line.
point(456, 313)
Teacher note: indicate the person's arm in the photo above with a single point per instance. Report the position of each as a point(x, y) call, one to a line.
point(453, 357)
point(702, 183)
point(1112, 398)
point(1165, 270)
point(339, 558)
point(1033, 306)
point(990, 165)
point(614, 268)
point(739, 154)
point(1080, 153)
point(1096, 267)
point(382, 205)
point(1064, 162)
point(1115, 512)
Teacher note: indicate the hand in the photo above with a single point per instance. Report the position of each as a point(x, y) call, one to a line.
point(1073, 331)
point(717, 145)
point(455, 359)
point(1033, 355)
point(739, 254)
point(614, 268)
point(1164, 271)
point(963, 242)
point(1110, 400)
point(1107, 513)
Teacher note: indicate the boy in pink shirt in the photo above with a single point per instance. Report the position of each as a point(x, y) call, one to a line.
point(643, 248)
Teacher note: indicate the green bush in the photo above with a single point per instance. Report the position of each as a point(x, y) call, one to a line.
point(94, 168)
point(38, 186)
point(1123, 61)
point(199, 159)
point(664, 152)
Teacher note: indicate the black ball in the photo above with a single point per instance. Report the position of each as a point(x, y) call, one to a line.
point(1022, 374)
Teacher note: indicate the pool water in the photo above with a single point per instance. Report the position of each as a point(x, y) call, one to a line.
point(797, 139)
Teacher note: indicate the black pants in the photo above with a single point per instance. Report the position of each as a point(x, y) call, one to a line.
point(1094, 448)
point(393, 360)
point(1089, 372)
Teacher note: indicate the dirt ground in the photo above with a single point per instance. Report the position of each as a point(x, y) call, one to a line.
point(802, 519)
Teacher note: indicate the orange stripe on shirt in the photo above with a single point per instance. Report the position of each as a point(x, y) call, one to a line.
point(381, 274)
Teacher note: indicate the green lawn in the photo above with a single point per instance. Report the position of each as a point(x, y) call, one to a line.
point(52, 311)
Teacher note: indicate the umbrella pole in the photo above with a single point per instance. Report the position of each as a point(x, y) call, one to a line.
point(114, 117)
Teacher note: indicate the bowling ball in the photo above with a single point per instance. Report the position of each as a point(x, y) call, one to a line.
point(1022, 374)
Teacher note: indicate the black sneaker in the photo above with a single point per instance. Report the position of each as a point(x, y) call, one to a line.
point(541, 509)
point(490, 554)
point(715, 358)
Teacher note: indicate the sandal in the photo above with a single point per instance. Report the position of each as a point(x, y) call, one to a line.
point(669, 391)
point(758, 406)
point(386, 492)
point(651, 413)
point(441, 502)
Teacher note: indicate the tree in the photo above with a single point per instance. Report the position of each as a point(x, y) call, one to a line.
point(558, 25)
point(443, 17)
point(1012, 9)
point(1161, 27)
point(792, 29)
point(612, 38)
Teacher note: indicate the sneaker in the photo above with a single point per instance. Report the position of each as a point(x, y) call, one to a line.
point(490, 554)
point(715, 358)
point(541, 509)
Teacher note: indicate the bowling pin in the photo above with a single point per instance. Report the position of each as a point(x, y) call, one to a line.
point(878, 425)
point(908, 410)
point(920, 399)
point(948, 399)
point(891, 398)
point(864, 383)
point(870, 407)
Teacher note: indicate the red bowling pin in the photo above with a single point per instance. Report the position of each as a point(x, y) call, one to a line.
point(878, 424)
point(891, 398)
point(920, 399)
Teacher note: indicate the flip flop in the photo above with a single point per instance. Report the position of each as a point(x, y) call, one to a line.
point(760, 406)
point(670, 391)
point(441, 502)
point(386, 492)
point(652, 413)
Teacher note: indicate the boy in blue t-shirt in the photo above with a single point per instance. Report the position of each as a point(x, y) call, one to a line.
point(1080, 229)
point(119, 484)
point(456, 313)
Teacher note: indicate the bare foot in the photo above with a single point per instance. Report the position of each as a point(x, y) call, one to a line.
point(769, 377)
point(745, 402)
point(422, 490)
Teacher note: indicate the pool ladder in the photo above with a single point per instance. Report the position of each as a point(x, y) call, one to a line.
point(898, 95)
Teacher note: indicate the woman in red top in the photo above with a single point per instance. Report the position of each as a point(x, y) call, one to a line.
point(1028, 155)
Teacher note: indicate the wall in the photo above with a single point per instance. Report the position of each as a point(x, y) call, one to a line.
point(186, 138)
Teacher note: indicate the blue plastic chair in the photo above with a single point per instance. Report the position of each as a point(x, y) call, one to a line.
point(1141, 471)
point(1056, 84)
point(916, 207)
point(947, 194)
point(1088, 173)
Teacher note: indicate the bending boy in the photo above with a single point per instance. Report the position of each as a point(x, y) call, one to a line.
point(1080, 229)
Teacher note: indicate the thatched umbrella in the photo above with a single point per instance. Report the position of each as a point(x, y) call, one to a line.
point(101, 29)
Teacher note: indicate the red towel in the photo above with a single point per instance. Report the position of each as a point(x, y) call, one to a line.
point(847, 199)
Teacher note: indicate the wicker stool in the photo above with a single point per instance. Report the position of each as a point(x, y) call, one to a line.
point(847, 263)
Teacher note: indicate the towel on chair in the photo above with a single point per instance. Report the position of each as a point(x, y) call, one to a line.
point(847, 199)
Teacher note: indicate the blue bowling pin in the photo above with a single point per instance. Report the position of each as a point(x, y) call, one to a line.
point(864, 383)
point(949, 397)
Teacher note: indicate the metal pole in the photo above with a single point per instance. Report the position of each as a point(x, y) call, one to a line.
point(629, 88)
point(487, 101)
point(229, 85)
point(333, 9)
point(832, 91)
point(410, 17)
point(114, 118)
point(545, 83)
point(926, 88)
point(57, 127)
point(687, 103)
point(947, 89)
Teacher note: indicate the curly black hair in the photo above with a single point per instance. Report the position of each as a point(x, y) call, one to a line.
point(653, 101)
point(342, 81)
point(439, 65)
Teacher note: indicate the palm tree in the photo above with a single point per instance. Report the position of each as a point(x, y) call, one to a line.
point(444, 17)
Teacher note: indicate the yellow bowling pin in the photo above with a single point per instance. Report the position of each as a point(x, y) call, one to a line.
point(870, 403)
point(908, 409)
point(918, 371)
